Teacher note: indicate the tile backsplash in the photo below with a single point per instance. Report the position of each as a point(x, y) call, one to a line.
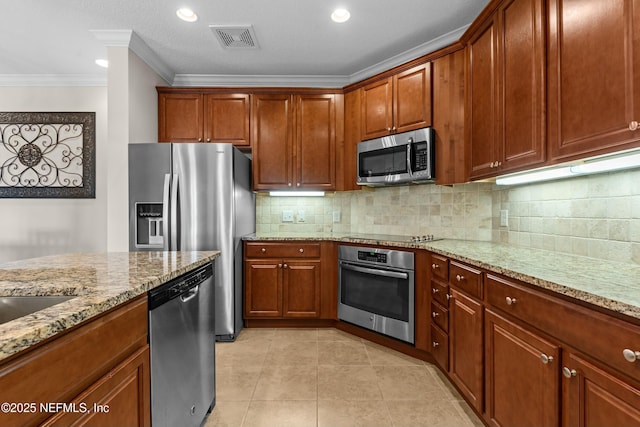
point(597, 216)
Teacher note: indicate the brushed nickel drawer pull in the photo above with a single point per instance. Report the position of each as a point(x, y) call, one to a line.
point(459, 278)
point(301, 250)
point(263, 250)
point(434, 266)
point(285, 266)
point(569, 372)
point(448, 297)
point(633, 125)
point(435, 314)
point(510, 301)
point(434, 290)
point(546, 359)
point(630, 355)
point(435, 344)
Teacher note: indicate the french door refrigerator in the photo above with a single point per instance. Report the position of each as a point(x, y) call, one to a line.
point(190, 197)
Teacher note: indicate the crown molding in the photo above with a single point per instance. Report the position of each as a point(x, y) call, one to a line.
point(194, 80)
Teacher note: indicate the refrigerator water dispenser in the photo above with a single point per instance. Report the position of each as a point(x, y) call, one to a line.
point(149, 225)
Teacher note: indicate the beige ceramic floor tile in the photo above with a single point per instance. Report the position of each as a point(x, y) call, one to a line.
point(296, 334)
point(347, 383)
point(342, 353)
point(383, 356)
point(332, 334)
point(227, 414)
point(345, 413)
point(236, 383)
point(430, 413)
point(241, 353)
point(287, 383)
point(256, 334)
point(290, 352)
point(281, 413)
point(406, 383)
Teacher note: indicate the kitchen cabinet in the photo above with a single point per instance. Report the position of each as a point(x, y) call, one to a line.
point(104, 361)
point(197, 116)
point(506, 60)
point(398, 103)
point(593, 397)
point(439, 315)
point(282, 280)
point(594, 77)
point(294, 141)
point(449, 118)
point(352, 136)
point(522, 375)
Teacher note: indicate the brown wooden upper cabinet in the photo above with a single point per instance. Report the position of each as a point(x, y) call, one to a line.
point(506, 71)
point(398, 103)
point(594, 77)
point(294, 141)
point(200, 117)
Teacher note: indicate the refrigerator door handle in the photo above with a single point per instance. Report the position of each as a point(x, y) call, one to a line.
point(165, 212)
point(174, 213)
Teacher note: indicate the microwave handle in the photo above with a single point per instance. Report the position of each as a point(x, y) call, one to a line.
point(409, 158)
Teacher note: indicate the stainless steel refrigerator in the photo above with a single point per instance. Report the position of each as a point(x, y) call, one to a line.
point(195, 196)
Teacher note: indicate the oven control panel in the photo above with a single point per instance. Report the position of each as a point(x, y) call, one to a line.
point(372, 256)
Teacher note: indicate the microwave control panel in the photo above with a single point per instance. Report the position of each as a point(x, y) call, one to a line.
point(421, 156)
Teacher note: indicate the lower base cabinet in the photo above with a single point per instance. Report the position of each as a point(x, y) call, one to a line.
point(522, 371)
point(593, 397)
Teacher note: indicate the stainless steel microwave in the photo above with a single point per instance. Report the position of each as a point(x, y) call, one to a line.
point(406, 157)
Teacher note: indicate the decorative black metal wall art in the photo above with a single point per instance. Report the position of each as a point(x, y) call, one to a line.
point(47, 155)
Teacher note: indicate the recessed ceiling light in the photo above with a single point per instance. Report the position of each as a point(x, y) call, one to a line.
point(187, 15)
point(340, 15)
point(102, 63)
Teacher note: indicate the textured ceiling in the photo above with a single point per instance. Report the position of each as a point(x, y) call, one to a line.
point(296, 37)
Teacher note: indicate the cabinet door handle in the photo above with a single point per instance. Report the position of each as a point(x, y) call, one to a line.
point(569, 372)
point(459, 278)
point(208, 139)
point(510, 301)
point(298, 185)
point(633, 125)
point(434, 266)
point(630, 355)
point(301, 250)
point(285, 266)
point(491, 165)
point(199, 139)
point(289, 184)
point(546, 359)
point(434, 290)
point(434, 344)
point(448, 297)
point(279, 265)
point(435, 314)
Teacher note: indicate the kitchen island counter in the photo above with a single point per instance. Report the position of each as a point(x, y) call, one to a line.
point(609, 285)
point(99, 282)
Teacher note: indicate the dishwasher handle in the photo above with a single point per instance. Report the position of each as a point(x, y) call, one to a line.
point(190, 294)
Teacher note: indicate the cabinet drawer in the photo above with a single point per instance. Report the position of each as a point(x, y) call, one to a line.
point(466, 278)
point(440, 267)
point(596, 334)
point(440, 292)
point(440, 316)
point(440, 347)
point(282, 250)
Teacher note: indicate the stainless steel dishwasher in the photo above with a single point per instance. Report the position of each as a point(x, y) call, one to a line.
point(182, 341)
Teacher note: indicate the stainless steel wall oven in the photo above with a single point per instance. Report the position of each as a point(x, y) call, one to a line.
point(376, 290)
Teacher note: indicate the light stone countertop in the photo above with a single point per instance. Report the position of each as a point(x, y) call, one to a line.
point(606, 284)
point(101, 281)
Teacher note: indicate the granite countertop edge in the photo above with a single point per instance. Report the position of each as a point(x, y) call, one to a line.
point(91, 298)
point(608, 285)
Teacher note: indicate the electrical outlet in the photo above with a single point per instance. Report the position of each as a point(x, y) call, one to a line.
point(504, 218)
point(301, 216)
point(336, 216)
point(287, 216)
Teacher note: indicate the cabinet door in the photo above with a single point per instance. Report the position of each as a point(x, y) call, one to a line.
point(521, 84)
point(412, 98)
point(594, 84)
point(377, 109)
point(316, 142)
point(120, 398)
point(466, 347)
point(180, 117)
point(263, 288)
point(301, 286)
point(522, 375)
point(448, 118)
point(272, 123)
point(226, 118)
point(593, 397)
point(483, 111)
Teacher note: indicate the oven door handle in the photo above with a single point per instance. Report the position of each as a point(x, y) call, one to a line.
point(375, 271)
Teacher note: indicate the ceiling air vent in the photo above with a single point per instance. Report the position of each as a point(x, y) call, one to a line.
point(235, 36)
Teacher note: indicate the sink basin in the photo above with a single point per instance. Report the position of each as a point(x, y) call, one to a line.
point(14, 307)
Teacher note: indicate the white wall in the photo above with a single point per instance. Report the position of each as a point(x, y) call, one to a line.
point(36, 227)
